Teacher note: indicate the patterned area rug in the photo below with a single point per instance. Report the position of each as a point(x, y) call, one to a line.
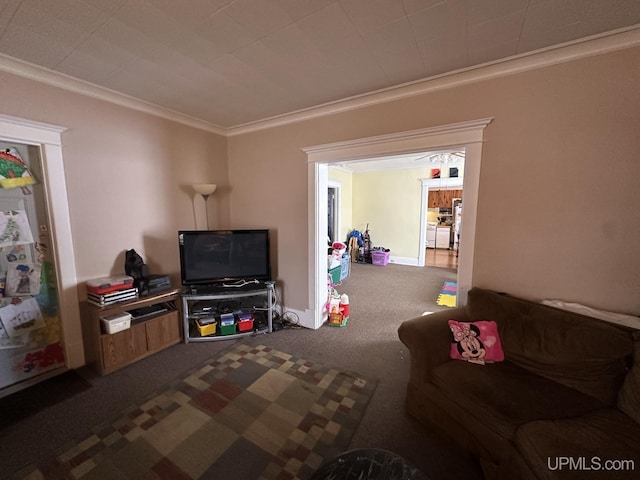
point(254, 413)
point(448, 294)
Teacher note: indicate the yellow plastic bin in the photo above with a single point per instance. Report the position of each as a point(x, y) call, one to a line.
point(206, 326)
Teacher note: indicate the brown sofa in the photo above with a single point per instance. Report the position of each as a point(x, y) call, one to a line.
point(564, 403)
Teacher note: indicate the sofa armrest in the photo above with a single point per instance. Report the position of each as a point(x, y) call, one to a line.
point(428, 339)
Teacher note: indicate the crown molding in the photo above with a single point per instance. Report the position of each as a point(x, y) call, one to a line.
point(56, 79)
point(595, 45)
point(589, 46)
point(451, 135)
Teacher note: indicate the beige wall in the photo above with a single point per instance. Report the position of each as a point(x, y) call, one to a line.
point(550, 222)
point(128, 176)
point(390, 202)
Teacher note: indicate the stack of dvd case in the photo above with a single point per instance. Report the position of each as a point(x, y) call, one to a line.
point(102, 300)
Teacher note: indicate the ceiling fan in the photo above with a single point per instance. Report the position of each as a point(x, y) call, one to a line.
point(443, 157)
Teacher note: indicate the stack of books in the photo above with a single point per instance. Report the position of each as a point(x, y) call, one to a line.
point(107, 291)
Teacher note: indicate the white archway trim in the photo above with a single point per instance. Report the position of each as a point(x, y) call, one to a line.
point(468, 135)
point(440, 137)
point(48, 138)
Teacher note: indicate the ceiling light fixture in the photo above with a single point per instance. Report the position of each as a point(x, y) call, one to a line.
point(447, 157)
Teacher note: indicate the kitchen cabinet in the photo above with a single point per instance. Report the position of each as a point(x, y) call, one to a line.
point(442, 236)
point(438, 236)
point(431, 235)
point(442, 198)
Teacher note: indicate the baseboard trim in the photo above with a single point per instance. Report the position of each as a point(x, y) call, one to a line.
point(413, 262)
point(305, 318)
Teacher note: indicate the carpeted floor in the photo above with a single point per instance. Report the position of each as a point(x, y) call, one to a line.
point(25, 403)
point(260, 411)
point(381, 297)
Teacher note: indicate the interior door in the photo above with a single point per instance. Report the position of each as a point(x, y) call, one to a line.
point(332, 207)
point(30, 331)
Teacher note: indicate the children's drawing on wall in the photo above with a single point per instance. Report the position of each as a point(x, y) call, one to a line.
point(22, 279)
point(11, 342)
point(17, 253)
point(20, 318)
point(14, 228)
point(14, 172)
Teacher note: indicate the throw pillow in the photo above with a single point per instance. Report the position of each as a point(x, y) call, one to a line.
point(629, 395)
point(476, 342)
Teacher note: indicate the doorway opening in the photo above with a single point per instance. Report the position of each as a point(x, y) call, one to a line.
point(333, 212)
point(444, 218)
point(464, 135)
point(443, 230)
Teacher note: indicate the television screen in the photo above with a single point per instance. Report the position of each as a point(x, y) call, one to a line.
point(217, 256)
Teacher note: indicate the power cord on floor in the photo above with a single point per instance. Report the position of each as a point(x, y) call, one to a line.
point(287, 320)
point(291, 320)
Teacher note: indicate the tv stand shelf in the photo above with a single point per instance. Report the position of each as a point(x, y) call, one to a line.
point(213, 302)
point(146, 336)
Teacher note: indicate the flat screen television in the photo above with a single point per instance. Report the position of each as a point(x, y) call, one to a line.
point(215, 257)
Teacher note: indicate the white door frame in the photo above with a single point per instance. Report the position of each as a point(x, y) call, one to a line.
point(468, 135)
point(48, 138)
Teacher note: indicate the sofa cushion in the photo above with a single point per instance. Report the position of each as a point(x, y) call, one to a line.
point(504, 395)
point(580, 352)
point(477, 342)
point(629, 395)
point(587, 442)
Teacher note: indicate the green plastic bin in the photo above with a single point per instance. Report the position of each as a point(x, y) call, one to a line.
point(228, 329)
point(334, 273)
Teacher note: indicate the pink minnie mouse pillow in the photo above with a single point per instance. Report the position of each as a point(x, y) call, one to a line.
point(476, 342)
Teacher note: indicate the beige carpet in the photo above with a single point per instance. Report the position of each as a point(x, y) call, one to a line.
point(254, 410)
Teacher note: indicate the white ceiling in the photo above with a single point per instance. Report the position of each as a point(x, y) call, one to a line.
point(434, 159)
point(233, 62)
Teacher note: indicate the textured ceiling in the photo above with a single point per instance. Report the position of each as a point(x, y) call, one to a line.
point(232, 62)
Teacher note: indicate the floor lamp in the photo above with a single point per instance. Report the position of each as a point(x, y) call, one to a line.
point(205, 189)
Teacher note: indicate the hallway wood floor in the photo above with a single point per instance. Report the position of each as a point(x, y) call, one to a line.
point(441, 257)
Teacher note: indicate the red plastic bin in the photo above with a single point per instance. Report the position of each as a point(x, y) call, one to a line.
point(245, 325)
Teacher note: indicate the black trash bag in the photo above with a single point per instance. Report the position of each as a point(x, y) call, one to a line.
point(135, 267)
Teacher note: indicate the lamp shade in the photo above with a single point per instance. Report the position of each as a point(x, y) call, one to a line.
point(204, 188)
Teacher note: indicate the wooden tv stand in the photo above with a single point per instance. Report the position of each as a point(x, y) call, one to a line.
point(146, 336)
